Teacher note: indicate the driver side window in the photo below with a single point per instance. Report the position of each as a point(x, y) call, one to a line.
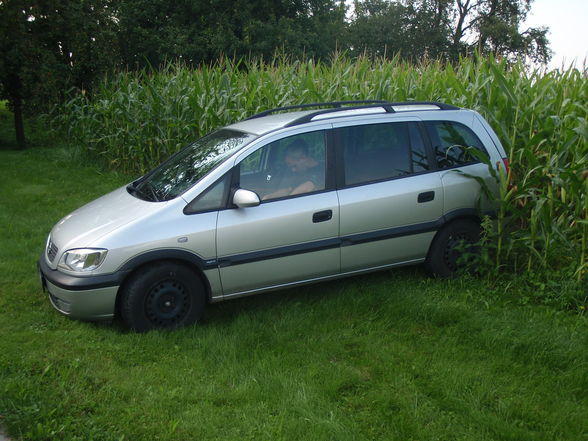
point(287, 167)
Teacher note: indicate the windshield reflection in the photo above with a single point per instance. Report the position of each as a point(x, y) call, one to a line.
point(184, 169)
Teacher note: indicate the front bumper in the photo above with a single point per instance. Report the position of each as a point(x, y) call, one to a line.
point(84, 298)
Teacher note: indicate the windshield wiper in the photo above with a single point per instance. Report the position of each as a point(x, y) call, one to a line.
point(146, 190)
point(138, 187)
point(132, 187)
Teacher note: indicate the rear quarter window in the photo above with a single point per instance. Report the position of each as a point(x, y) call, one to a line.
point(452, 143)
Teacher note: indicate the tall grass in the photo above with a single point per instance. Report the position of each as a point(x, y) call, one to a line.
point(136, 119)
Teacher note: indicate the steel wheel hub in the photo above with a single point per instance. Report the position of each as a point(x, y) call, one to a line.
point(167, 303)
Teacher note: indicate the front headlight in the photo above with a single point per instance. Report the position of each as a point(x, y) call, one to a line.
point(82, 260)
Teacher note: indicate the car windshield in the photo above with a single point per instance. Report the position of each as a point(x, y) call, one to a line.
point(180, 172)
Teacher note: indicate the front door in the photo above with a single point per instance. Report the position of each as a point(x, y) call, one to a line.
point(292, 235)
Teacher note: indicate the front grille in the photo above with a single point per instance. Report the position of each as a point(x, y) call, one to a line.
point(51, 251)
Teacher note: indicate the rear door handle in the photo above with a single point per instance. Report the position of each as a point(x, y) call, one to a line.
point(322, 216)
point(427, 196)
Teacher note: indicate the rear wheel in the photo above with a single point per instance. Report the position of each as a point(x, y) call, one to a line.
point(162, 295)
point(451, 245)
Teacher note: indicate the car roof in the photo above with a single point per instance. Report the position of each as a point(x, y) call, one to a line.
point(265, 124)
point(271, 120)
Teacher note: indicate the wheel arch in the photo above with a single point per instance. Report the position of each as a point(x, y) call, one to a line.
point(190, 260)
point(462, 213)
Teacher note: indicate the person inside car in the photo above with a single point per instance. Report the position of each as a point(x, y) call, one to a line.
point(305, 175)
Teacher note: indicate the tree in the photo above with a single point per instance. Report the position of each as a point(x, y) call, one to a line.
point(414, 29)
point(14, 31)
point(498, 30)
point(199, 31)
point(49, 46)
point(446, 29)
point(493, 26)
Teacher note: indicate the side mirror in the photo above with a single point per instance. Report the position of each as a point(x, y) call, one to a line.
point(246, 198)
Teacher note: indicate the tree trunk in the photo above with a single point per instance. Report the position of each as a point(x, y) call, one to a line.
point(463, 11)
point(18, 123)
point(484, 36)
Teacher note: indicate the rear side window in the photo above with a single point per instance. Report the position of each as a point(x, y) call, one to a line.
point(452, 142)
point(378, 152)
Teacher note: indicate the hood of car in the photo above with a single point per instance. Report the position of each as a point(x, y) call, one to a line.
point(83, 227)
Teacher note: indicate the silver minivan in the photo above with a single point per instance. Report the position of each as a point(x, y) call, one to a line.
point(292, 195)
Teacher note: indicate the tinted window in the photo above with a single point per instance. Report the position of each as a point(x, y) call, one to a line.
point(419, 157)
point(381, 151)
point(290, 166)
point(451, 143)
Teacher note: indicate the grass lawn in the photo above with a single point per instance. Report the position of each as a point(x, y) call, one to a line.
point(390, 356)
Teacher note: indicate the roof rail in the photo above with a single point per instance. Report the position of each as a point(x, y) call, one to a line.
point(332, 104)
point(388, 107)
point(441, 106)
point(336, 106)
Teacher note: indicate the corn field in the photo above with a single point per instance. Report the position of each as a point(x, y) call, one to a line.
point(134, 120)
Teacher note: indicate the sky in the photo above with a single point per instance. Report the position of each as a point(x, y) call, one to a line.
point(568, 25)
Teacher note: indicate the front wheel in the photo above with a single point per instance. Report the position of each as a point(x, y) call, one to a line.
point(451, 245)
point(162, 295)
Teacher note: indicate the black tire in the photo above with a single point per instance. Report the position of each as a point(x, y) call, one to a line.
point(449, 244)
point(162, 295)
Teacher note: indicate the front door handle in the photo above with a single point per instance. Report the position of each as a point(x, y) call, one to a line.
point(426, 196)
point(322, 216)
